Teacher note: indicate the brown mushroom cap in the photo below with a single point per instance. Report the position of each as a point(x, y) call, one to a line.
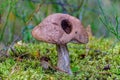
point(60, 29)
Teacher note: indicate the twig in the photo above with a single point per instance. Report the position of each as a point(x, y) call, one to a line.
point(11, 46)
point(0, 18)
point(82, 9)
point(4, 27)
point(35, 11)
point(56, 68)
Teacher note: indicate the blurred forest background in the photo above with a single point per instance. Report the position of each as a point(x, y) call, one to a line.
point(18, 17)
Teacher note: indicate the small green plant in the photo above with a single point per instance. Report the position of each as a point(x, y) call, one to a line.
point(110, 22)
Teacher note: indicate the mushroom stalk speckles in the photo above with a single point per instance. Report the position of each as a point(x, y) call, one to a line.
point(63, 58)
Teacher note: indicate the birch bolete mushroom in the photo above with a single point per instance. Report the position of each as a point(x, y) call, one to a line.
point(60, 29)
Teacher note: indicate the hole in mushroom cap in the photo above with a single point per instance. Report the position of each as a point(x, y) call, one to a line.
point(75, 32)
point(66, 26)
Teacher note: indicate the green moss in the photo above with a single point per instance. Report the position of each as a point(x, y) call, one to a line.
point(98, 59)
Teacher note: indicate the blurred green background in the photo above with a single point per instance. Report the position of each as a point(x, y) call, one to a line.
point(18, 17)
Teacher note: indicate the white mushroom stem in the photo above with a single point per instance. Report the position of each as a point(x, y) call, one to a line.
point(63, 58)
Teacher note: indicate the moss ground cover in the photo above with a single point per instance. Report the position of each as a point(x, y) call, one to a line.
point(97, 60)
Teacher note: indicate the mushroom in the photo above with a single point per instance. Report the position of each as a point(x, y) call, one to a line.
point(60, 29)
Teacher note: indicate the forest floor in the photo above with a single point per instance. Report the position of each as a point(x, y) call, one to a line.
point(97, 60)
